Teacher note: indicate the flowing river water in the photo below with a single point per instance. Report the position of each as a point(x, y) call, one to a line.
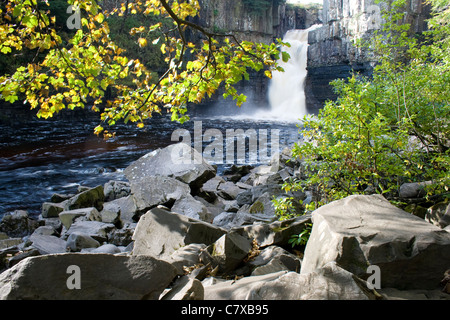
point(39, 158)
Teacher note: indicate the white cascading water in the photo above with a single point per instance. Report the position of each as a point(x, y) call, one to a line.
point(286, 92)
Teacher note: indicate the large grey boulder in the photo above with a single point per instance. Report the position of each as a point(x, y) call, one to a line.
point(67, 217)
point(229, 251)
point(101, 277)
point(123, 209)
point(92, 197)
point(179, 161)
point(160, 233)
point(51, 210)
point(185, 288)
point(17, 224)
point(152, 191)
point(95, 229)
point(78, 241)
point(188, 206)
point(48, 244)
point(273, 259)
point(186, 257)
point(229, 190)
point(116, 189)
point(360, 231)
point(278, 232)
point(329, 283)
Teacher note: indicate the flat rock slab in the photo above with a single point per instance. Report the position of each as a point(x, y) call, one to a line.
point(152, 191)
point(360, 231)
point(329, 283)
point(160, 233)
point(179, 161)
point(101, 277)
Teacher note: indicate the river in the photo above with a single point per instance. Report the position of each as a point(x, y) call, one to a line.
point(41, 157)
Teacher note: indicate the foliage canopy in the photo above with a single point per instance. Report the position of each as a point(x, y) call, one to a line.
point(387, 130)
point(78, 72)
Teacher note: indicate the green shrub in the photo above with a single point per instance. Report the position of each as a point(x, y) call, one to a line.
point(387, 130)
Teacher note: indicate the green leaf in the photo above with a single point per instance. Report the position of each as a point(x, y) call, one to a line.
point(5, 50)
point(30, 21)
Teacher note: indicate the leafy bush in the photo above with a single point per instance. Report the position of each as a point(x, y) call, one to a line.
point(387, 130)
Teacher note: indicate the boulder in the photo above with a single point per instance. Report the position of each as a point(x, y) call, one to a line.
point(122, 236)
point(51, 210)
point(360, 231)
point(242, 217)
point(212, 185)
point(245, 197)
point(92, 197)
point(412, 190)
point(95, 229)
point(329, 283)
point(10, 242)
point(46, 231)
point(160, 233)
point(439, 214)
point(78, 241)
point(47, 244)
point(278, 232)
point(152, 191)
point(226, 220)
point(229, 251)
point(116, 189)
point(17, 224)
point(51, 222)
point(273, 259)
point(271, 189)
point(101, 277)
point(59, 198)
point(229, 191)
point(68, 217)
point(187, 256)
point(123, 209)
point(185, 288)
point(179, 161)
point(263, 205)
point(189, 207)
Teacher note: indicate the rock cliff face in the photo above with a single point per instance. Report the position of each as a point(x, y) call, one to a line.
point(234, 17)
point(332, 54)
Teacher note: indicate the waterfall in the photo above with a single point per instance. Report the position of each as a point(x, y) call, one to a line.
point(286, 92)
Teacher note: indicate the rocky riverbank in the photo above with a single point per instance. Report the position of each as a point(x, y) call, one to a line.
point(178, 231)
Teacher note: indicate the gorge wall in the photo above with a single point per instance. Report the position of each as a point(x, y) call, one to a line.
point(265, 26)
point(331, 53)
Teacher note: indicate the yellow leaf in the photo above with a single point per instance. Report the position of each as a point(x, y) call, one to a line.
point(268, 74)
point(99, 18)
point(142, 42)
